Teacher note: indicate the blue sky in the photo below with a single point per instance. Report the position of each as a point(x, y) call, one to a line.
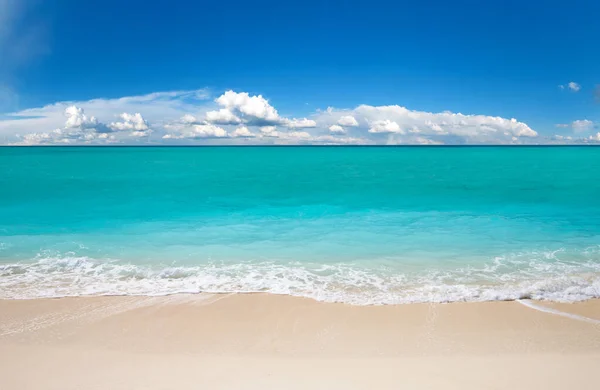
point(494, 58)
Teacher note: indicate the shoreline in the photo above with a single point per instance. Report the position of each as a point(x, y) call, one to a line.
point(260, 293)
point(71, 276)
point(259, 340)
point(310, 298)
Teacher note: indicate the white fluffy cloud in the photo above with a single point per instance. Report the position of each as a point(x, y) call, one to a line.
point(241, 107)
point(189, 119)
point(223, 117)
point(131, 122)
point(573, 140)
point(243, 132)
point(347, 120)
point(76, 119)
point(268, 129)
point(158, 108)
point(78, 128)
point(300, 123)
point(65, 136)
point(405, 125)
point(81, 129)
point(298, 135)
point(238, 117)
point(198, 132)
point(337, 129)
point(385, 126)
point(572, 86)
point(253, 109)
point(446, 123)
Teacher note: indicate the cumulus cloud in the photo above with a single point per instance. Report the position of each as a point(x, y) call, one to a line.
point(253, 109)
point(158, 108)
point(347, 120)
point(140, 134)
point(572, 86)
point(268, 129)
point(189, 119)
point(337, 129)
point(76, 118)
point(223, 117)
point(63, 136)
point(80, 128)
point(446, 126)
point(198, 132)
point(300, 123)
point(385, 126)
point(238, 108)
point(560, 139)
point(131, 122)
point(298, 135)
point(241, 107)
point(243, 132)
point(238, 117)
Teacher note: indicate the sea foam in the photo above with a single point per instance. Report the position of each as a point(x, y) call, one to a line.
point(534, 275)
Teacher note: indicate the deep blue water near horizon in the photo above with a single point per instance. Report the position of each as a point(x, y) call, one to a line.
point(363, 225)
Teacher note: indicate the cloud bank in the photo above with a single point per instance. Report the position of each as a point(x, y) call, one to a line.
point(192, 117)
point(81, 129)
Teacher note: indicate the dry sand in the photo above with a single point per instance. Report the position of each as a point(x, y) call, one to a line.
point(278, 342)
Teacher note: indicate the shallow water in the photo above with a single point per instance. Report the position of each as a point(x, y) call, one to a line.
point(363, 225)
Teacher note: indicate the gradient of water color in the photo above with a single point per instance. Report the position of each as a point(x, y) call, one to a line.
point(362, 225)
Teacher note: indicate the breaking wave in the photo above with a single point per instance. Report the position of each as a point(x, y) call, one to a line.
point(557, 276)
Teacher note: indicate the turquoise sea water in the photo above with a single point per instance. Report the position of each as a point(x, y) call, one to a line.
point(363, 225)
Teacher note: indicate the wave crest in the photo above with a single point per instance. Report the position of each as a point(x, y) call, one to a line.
point(535, 275)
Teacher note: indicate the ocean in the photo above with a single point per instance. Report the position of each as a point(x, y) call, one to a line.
point(360, 225)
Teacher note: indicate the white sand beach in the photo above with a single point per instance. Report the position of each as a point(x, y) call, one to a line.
point(258, 341)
